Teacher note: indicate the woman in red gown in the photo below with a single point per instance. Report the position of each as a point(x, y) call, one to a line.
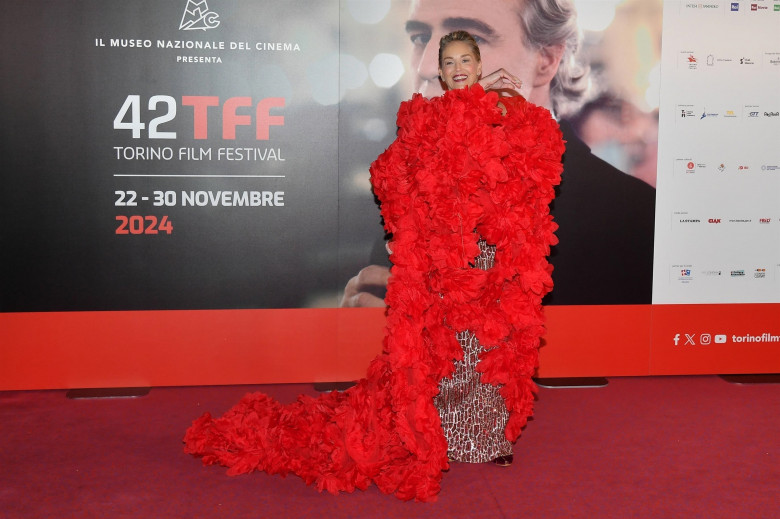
point(465, 191)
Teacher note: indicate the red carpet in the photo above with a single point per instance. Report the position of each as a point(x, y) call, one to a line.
point(660, 447)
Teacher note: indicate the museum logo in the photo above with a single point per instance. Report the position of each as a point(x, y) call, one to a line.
point(197, 16)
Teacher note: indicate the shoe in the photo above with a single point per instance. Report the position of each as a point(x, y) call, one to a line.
point(504, 461)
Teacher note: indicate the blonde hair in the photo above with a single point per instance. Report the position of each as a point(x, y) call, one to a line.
point(459, 36)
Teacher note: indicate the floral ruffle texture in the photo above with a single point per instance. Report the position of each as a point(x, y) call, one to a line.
point(457, 170)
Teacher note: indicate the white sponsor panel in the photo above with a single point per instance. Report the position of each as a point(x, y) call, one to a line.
point(719, 166)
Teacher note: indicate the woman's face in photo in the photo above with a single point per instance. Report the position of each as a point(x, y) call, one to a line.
point(495, 24)
point(460, 68)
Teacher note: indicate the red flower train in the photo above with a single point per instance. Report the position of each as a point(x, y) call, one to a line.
point(457, 171)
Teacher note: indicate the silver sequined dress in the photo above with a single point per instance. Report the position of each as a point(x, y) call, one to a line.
point(473, 415)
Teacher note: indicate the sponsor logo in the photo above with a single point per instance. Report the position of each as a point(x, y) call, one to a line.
point(720, 339)
point(687, 166)
point(690, 220)
point(740, 220)
point(713, 60)
point(771, 114)
point(702, 6)
point(746, 61)
point(705, 113)
point(734, 6)
point(682, 273)
point(722, 167)
point(198, 17)
point(743, 167)
point(769, 167)
point(751, 111)
point(737, 273)
point(759, 273)
point(686, 112)
point(686, 275)
point(730, 113)
point(777, 8)
point(711, 272)
point(713, 220)
point(764, 221)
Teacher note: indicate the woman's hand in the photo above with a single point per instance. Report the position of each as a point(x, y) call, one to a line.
point(500, 80)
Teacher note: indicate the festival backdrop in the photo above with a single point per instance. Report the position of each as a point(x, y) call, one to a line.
point(185, 187)
point(163, 155)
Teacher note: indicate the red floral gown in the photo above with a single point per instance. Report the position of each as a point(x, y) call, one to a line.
point(457, 171)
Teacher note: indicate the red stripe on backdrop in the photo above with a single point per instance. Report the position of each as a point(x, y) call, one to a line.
point(161, 348)
point(723, 338)
point(168, 348)
point(586, 341)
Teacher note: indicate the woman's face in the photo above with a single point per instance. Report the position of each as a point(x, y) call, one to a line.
point(459, 68)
